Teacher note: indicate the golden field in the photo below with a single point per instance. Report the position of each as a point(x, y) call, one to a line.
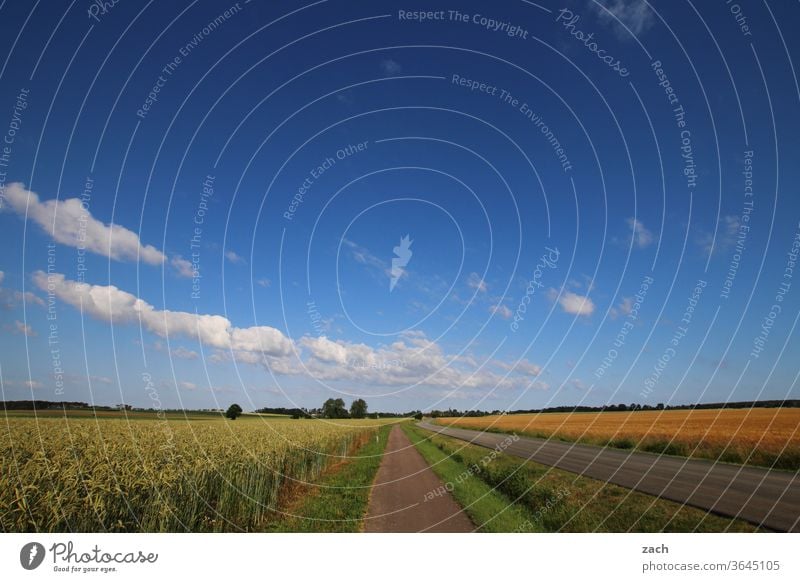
point(150, 475)
point(760, 436)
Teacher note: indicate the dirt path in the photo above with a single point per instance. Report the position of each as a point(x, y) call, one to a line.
point(402, 499)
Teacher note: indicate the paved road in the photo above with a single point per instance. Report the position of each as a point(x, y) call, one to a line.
point(761, 496)
point(401, 499)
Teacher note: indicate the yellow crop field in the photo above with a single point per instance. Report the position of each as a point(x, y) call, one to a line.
point(759, 436)
point(160, 475)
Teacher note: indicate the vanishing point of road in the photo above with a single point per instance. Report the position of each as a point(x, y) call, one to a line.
point(769, 498)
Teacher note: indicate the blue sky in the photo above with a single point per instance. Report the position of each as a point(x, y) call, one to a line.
point(202, 203)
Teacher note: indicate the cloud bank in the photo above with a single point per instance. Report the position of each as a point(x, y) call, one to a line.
point(412, 360)
point(70, 223)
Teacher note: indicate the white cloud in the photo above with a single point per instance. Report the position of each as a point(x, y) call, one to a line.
point(634, 15)
point(522, 366)
point(326, 350)
point(24, 329)
point(187, 385)
point(182, 266)
point(624, 307)
point(641, 236)
point(30, 384)
point(578, 384)
point(180, 352)
point(70, 224)
point(264, 282)
point(501, 310)
point(109, 303)
point(234, 258)
point(391, 67)
point(573, 303)
point(411, 360)
point(364, 256)
point(727, 232)
point(10, 299)
point(184, 354)
point(474, 281)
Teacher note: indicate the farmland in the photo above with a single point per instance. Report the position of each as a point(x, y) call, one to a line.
point(152, 475)
point(508, 494)
point(768, 437)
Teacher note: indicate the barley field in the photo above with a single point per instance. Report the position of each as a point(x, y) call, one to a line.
point(767, 437)
point(147, 475)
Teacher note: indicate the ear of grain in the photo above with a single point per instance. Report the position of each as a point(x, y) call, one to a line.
point(115, 475)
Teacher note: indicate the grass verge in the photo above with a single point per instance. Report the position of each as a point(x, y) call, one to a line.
point(488, 508)
point(506, 494)
point(337, 501)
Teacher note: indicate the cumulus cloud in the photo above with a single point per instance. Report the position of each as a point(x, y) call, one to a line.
point(30, 384)
point(234, 258)
point(573, 303)
point(183, 267)
point(474, 281)
point(10, 298)
point(413, 359)
point(626, 17)
point(623, 308)
point(522, 366)
point(70, 224)
point(578, 384)
point(184, 354)
point(726, 235)
point(641, 237)
point(24, 329)
point(180, 352)
point(391, 67)
point(364, 256)
point(108, 303)
point(501, 311)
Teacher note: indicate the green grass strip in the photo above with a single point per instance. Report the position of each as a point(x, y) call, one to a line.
point(551, 499)
point(337, 502)
point(488, 508)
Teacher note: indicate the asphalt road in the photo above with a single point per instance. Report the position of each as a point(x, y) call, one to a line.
point(401, 499)
point(765, 497)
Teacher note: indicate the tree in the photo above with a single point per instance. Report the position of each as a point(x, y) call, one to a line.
point(234, 411)
point(358, 409)
point(418, 416)
point(334, 408)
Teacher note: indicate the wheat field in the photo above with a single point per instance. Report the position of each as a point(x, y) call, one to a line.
point(160, 475)
point(759, 436)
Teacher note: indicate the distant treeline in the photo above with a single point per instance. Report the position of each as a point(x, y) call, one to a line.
point(286, 411)
point(661, 406)
point(451, 412)
point(47, 405)
point(625, 408)
point(316, 412)
point(63, 405)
